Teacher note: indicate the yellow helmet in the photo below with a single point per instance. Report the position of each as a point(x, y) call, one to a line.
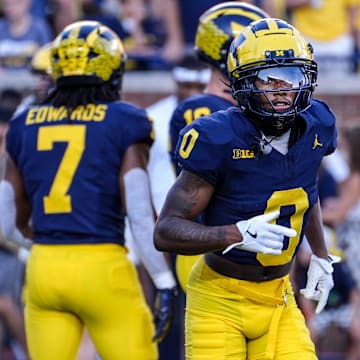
point(87, 52)
point(271, 48)
point(219, 25)
point(40, 62)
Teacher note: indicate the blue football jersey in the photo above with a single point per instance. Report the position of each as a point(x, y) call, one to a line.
point(189, 110)
point(71, 165)
point(220, 149)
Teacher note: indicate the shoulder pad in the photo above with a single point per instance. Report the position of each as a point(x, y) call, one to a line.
point(321, 113)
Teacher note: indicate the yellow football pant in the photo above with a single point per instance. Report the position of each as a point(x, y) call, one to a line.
point(183, 266)
point(96, 286)
point(234, 319)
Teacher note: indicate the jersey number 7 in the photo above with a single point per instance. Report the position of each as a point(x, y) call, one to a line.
point(58, 200)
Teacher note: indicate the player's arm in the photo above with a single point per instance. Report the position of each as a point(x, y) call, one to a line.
point(15, 207)
point(319, 275)
point(176, 232)
point(135, 188)
point(15, 210)
point(315, 232)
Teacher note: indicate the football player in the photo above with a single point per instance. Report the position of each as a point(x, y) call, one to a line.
point(251, 170)
point(216, 29)
point(77, 164)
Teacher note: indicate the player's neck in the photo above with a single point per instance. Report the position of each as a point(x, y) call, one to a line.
point(218, 86)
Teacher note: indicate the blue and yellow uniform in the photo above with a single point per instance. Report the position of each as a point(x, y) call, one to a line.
point(189, 110)
point(186, 112)
point(220, 149)
point(72, 181)
point(217, 27)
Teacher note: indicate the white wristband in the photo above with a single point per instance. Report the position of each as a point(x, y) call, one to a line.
point(164, 280)
point(23, 254)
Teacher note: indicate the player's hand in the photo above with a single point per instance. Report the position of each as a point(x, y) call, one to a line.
point(23, 254)
point(261, 237)
point(164, 311)
point(319, 281)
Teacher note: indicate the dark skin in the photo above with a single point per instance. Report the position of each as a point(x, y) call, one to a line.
point(176, 232)
point(188, 197)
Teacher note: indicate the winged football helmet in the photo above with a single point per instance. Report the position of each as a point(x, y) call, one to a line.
point(87, 52)
point(217, 28)
point(271, 50)
point(40, 62)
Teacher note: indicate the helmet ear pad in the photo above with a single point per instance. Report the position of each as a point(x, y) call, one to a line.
point(240, 91)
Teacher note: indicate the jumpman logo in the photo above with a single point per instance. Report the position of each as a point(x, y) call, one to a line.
point(317, 142)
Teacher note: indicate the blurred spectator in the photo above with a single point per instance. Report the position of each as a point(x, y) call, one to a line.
point(9, 100)
point(61, 13)
point(190, 76)
point(357, 34)
point(109, 16)
point(12, 256)
point(330, 26)
point(155, 39)
point(191, 10)
point(38, 8)
point(336, 330)
point(343, 212)
point(280, 9)
point(40, 68)
point(12, 268)
point(21, 34)
point(337, 166)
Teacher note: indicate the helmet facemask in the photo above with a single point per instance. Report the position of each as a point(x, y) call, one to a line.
point(273, 96)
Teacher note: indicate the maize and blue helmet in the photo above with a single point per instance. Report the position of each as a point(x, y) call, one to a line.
point(40, 62)
point(87, 53)
point(217, 28)
point(271, 49)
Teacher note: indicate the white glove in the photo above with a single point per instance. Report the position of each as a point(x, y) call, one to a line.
point(319, 281)
point(23, 254)
point(261, 237)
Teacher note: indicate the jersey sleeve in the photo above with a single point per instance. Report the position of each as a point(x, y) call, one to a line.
point(325, 117)
point(137, 126)
point(176, 123)
point(202, 147)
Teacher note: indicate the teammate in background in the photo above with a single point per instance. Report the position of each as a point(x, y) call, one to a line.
point(343, 212)
point(219, 23)
point(76, 165)
point(252, 172)
point(13, 255)
point(40, 69)
point(330, 26)
point(190, 76)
